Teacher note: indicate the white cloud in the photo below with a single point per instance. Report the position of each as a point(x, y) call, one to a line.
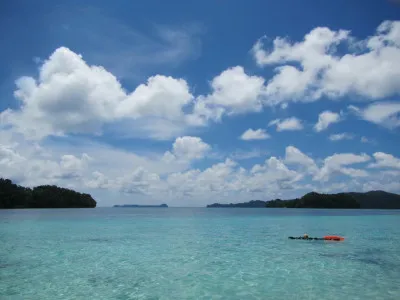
point(69, 96)
point(233, 92)
point(338, 163)
point(371, 69)
point(63, 160)
point(98, 181)
point(289, 124)
point(384, 113)
point(146, 176)
point(384, 160)
point(295, 156)
point(72, 166)
point(40, 170)
point(140, 181)
point(187, 148)
point(325, 119)
point(272, 176)
point(151, 99)
point(392, 186)
point(250, 134)
point(72, 97)
point(13, 165)
point(220, 178)
point(105, 167)
point(341, 136)
point(109, 173)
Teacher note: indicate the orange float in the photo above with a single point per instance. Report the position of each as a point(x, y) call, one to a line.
point(333, 238)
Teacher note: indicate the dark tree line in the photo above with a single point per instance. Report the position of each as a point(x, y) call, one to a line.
point(316, 200)
point(44, 196)
point(252, 203)
point(372, 200)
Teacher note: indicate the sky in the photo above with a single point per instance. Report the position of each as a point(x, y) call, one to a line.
point(195, 102)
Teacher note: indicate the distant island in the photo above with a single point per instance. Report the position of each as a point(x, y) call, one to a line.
point(252, 203)
point(368, 200)
point(44, 196)
point(136, 205)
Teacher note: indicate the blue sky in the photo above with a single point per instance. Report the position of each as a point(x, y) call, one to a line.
point(192, 103)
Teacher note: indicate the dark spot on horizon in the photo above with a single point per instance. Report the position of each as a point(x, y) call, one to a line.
point(99, 240)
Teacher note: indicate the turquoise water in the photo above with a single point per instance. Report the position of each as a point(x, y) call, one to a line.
point(198, 253)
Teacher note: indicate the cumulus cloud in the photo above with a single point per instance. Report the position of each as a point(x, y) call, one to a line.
point(41, 170)
point(72, 166)
point(9, 157)
point(187, 148)
point(289, 124)
point(233, 92)
point(140, 181)
point(169, 175)
point(106, 167)
point(273, 172)
point(337, 164)
point(220, 181)
point(325, 119)
point(296, 157)
point(73, 160)
point(250, 134)
point(71, 96)
point(384, 113)
point(98, 181)
point(370, 68)
point(384, 160)
point(341, 136)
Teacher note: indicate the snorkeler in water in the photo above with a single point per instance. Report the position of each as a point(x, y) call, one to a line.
point(325, 238)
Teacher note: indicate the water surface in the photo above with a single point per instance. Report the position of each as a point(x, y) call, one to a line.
point(198, 253)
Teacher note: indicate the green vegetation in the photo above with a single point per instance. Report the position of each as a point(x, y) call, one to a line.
point(252, 203)
point(44, 196)
point(369, 200)
point(316, 200)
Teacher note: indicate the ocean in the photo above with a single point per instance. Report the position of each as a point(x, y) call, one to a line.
point(198, 253)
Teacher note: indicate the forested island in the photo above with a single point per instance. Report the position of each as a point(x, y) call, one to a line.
point(252, 203)
point(137, 205)
point(44, 196)
point(368, 200)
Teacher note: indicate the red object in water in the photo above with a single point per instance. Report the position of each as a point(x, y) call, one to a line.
point(333, 238)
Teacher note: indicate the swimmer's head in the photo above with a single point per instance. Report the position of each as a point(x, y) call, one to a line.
point(305, 235)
